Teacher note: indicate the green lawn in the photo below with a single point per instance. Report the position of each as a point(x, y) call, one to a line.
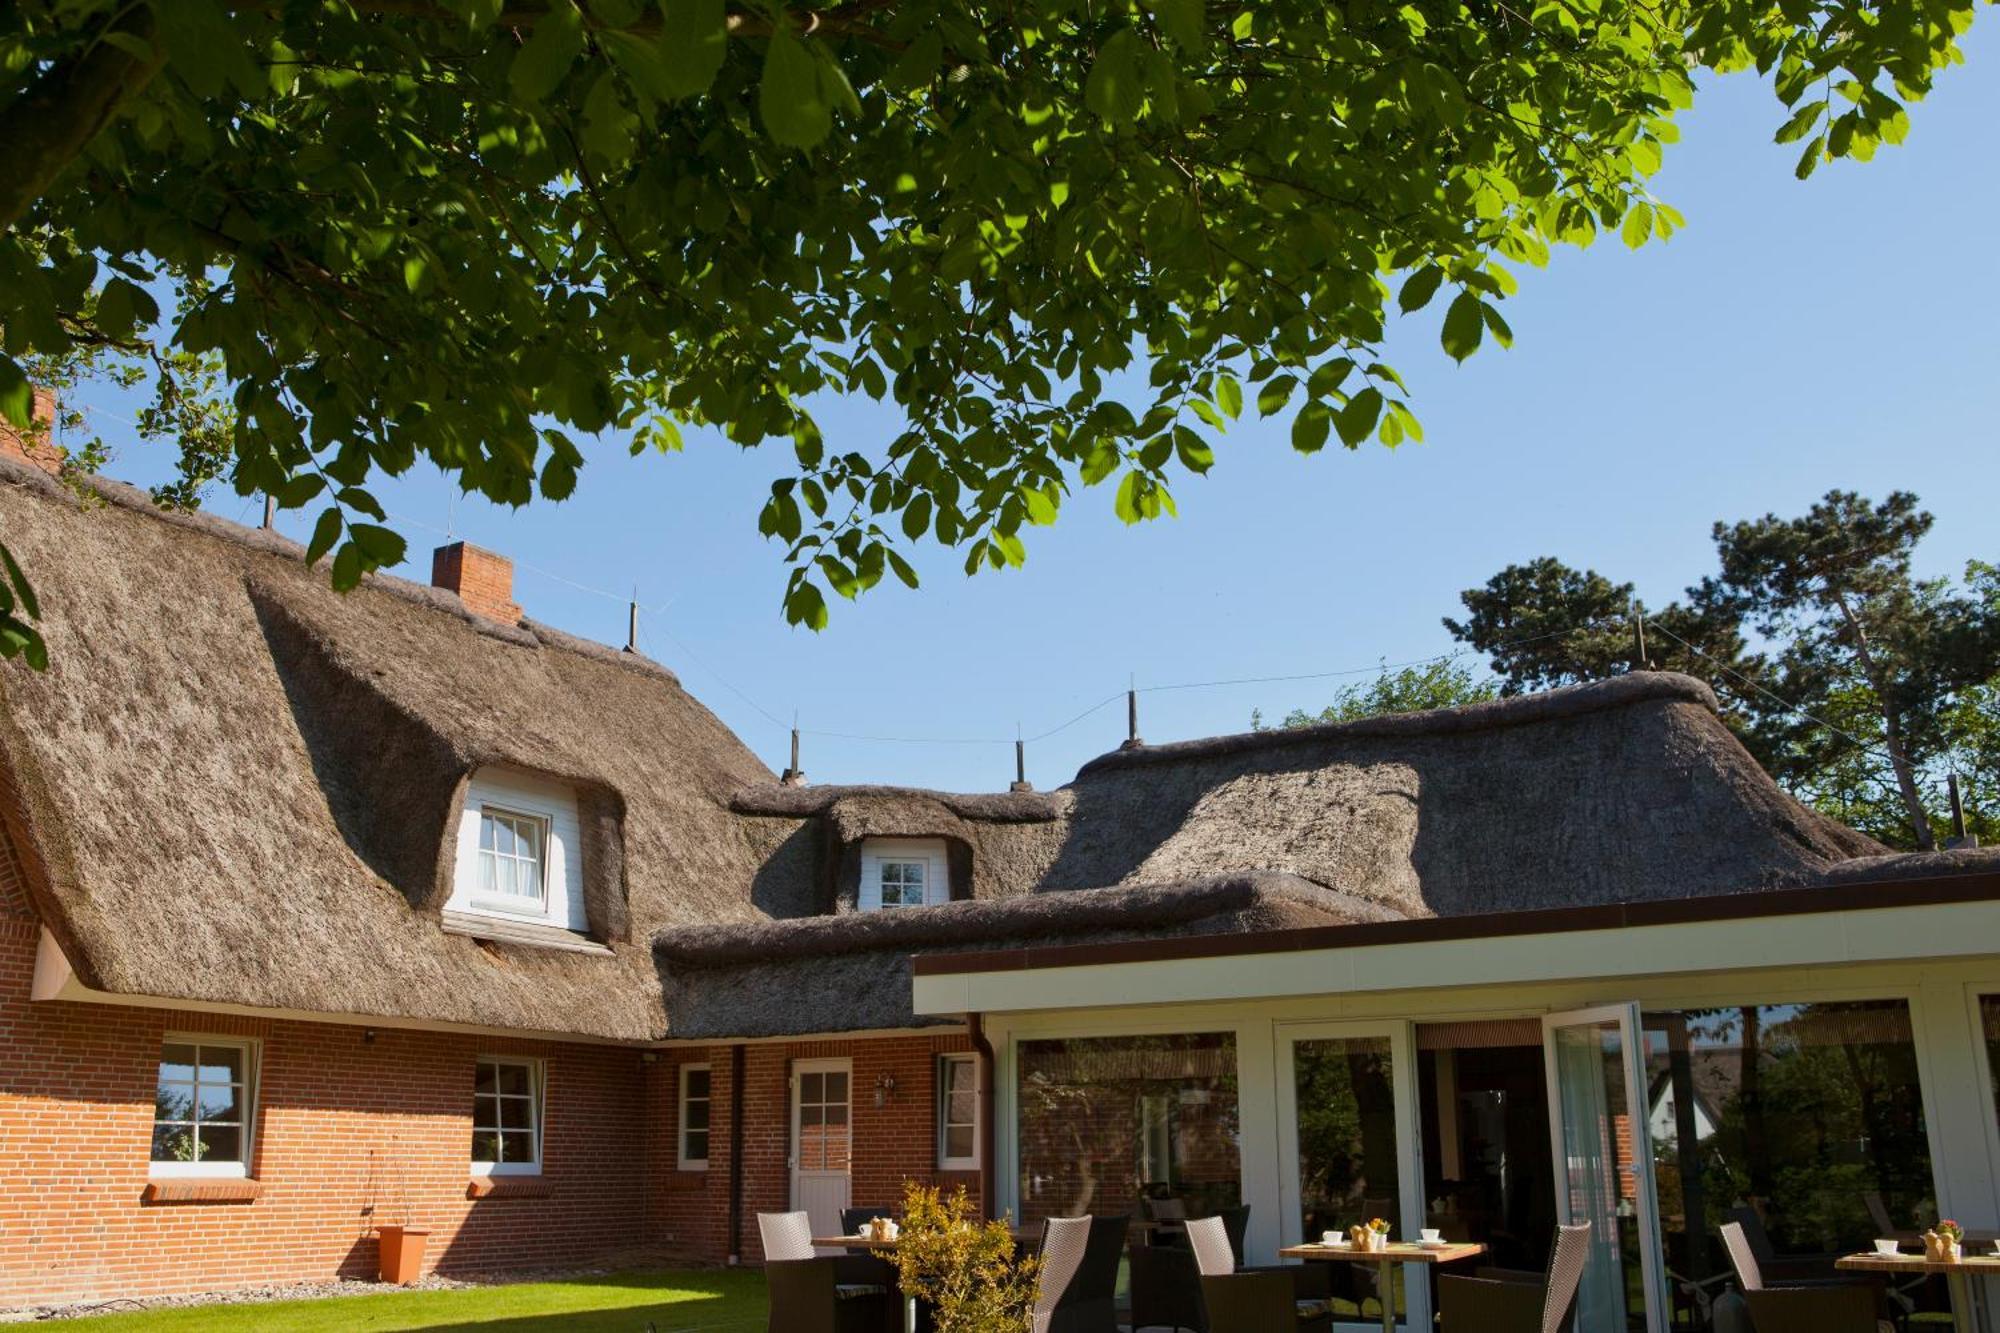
point(664, 1300)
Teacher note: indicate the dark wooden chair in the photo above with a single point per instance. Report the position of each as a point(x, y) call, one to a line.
point(1250, 1301)
point(810, 1294)
point(1079, 1274)
point(1801, 1307)
point(1519, 1303)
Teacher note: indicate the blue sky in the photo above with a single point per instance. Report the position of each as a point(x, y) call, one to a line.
point(1843, 332)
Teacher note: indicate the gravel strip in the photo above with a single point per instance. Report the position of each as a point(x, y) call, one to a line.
point(288, 1291)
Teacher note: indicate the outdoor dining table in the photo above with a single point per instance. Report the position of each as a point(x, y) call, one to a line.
point(1958, 1274)
point(1406, 1252)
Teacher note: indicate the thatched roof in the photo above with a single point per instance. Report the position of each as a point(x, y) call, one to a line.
point(234, 785)
point(1625, 790)
point(852, 972)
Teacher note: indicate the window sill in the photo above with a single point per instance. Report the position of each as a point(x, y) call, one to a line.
point(507, 1187)
point(505, 930)
point(194, 1189)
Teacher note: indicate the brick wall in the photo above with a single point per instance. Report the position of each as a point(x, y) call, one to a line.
point(891, 1143)
point(37, 444)
point(348, 1129)
point(483, 581)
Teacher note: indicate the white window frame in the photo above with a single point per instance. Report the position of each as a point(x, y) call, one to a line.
point(878, 852)
point(945, 1160)
point(538, 1103)
point(237, 1170)
point(682, 1160)
point(521, 795)
point(515, 905)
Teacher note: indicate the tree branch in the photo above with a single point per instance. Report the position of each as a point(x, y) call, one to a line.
point(46, 127)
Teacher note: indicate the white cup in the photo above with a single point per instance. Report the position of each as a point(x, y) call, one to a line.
point(1431, 1235)
point(1885, 1247)
point(1331, 1238)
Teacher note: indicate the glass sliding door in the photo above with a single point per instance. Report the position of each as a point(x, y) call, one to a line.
point(1603, 1156)
point(1347, 1131)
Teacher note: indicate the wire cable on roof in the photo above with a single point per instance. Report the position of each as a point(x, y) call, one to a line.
point(1866, 747)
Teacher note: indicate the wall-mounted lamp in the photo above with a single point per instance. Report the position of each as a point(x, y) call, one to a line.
point(368, 1036)
point(885, 1087)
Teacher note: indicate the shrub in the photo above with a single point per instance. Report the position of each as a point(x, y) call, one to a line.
point(966, 1269)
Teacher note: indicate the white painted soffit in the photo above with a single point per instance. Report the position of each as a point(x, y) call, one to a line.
point(1872, 935)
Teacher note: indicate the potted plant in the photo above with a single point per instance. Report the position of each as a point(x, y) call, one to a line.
point(1373, 1237)
point(400, 1245)
point(1945, 1242)
point(966, 1271)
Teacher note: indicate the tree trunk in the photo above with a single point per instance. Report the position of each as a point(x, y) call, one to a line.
point(1892, 730)
point(62, 111)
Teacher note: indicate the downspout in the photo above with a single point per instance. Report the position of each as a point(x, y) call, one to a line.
point(976, 1028)
point(736, 1154)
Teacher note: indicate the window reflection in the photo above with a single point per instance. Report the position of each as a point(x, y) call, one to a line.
point(1108, 1121)
point(1808, 1116)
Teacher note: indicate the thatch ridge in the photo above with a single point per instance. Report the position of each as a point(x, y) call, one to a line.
point(1027, 916)
point(1490, 715)
point(1900, 866)
point(528, 633)
point(1011, 807)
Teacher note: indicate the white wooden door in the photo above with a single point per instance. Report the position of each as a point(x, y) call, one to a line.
point(822, 1141)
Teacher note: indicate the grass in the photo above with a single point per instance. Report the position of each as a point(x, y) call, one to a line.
point(663, 1300)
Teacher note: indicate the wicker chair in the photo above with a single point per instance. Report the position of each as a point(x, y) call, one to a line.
point(1252, 1301)
point(1079, 1274)
point(1512, 1305)
point(1166, 1290)
point(810, 1294)
point(1821, 1307)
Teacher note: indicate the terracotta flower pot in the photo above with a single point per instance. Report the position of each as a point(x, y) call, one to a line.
point(401, 1257)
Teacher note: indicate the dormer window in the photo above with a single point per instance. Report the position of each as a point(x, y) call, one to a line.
point(519, 855)
point(903, 872)
point(510, 861)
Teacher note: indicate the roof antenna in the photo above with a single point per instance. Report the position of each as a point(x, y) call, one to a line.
point(1020, 782)
point(1639, 628)
point(270, 511)
point(632, 623)
point(794, 776)
point(1959, 837)
point(1132, 741)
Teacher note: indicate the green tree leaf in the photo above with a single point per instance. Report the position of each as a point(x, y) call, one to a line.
point(17, 396)
point(1114, 88)
point(1311, 426)
point(1356, 420)
point(1464, 325)
point(1183, 22)
point(694, 41)
point(1419, 288)
point(790, 96)
point(551, 49)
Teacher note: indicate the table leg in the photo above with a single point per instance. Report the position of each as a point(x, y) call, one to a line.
point(1387, 1293)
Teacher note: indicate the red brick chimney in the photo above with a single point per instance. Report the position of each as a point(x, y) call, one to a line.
point(483, 581)
point(36, 446)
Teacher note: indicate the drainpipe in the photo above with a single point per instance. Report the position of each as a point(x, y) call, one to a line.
point(736, 1154)
point(977, 1030)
